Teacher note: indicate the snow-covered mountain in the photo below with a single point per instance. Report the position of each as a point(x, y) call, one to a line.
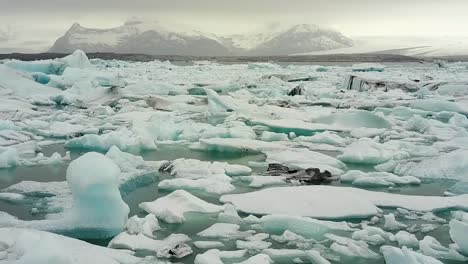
point(301, 38)
point(153, 38)
point(137, 37)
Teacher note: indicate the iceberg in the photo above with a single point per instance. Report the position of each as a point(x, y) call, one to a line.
point(97, 208)
point(77, 59)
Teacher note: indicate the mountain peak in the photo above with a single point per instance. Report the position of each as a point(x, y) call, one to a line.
point(75, 26)
point(303, 28)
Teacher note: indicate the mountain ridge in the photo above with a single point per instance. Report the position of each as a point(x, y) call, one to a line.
point(153, 38)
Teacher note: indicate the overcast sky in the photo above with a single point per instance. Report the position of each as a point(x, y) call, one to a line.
point(38, 23)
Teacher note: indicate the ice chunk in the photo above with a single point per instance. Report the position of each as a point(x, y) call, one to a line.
point(208, 244)
point(22, 85)
point(272, 136)
point(96, 195)
point(304, 159)
point(229, 215)
point(459, 120)
point(458, 231)
point(39, 247)
point(429, 246)
point(262, 181)
point(460, 187)
point(146, 226)
point(453, 89)
point(201, 175)
point(178, 251)
point(362, 132)
point(237, 145)
point(334, 202)
point(142, 242)
point(97, 205)
point(367, 151)
point(303, 226)
point(172, 207)
point(372, 235)
point(392, 224)
point(452, 165)
point(206, 185)
point(355, 119)
point(8, 157)
point(77, 59)
point(326, 137)
point(223, 230)
point(295, 256)
point(220, 103)
point(351, 248)
point(215, 256)
point(124, 139)
point(406, 239)
point(395, 255)
point(437, 105)
point(298, 127)
point(293, 239)
point(258, 259)
point(255, 245)
point(379, 179)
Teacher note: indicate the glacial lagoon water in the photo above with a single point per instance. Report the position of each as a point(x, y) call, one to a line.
point(198, 221)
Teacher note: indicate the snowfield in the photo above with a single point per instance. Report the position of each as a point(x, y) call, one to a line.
point(154, 162)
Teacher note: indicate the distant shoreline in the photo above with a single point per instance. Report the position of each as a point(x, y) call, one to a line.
point(368, 57)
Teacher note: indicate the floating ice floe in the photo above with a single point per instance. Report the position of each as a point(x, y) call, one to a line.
point(215, 256)
point(204, 176)
point(172, 207)
point(435, 105)
point(457, 232)
point(452, 165)
point(377, 179)
point(394, 255)
point(373, 235)
point(351, 248)
point(367, 151)
point(171, 246)
point(303, 226)
point(224, 231)
point(406, 239)
point(328, 202)
point(33, 246)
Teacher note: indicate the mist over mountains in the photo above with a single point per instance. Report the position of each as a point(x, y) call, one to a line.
point(153, 38)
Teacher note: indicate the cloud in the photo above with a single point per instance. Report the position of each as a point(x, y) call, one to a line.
point(7, 33)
